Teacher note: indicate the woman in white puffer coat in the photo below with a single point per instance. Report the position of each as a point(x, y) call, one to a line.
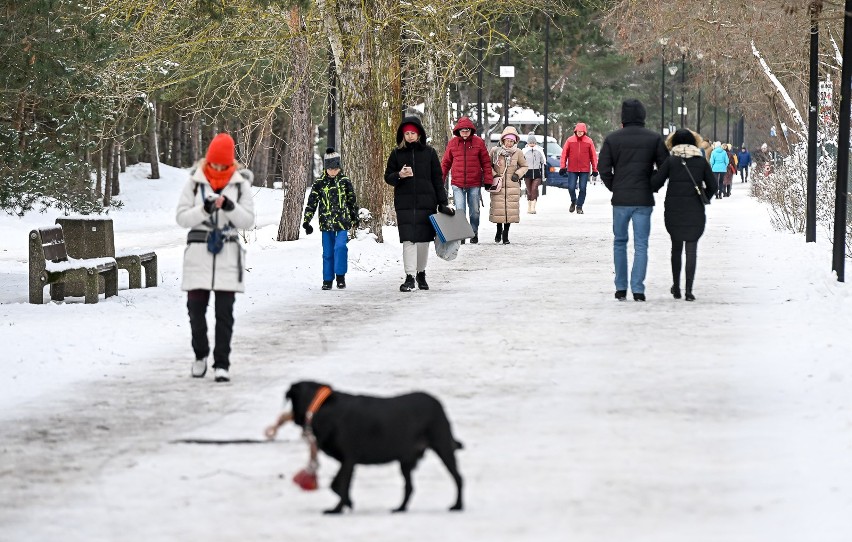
point(215, 202)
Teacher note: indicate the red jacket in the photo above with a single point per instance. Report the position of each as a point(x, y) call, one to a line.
point(579, 152)
point(467, 159)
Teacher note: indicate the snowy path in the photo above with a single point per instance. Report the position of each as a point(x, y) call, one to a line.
point(583, 418)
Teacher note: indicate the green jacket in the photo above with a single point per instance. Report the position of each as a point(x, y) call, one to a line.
point(335, 198)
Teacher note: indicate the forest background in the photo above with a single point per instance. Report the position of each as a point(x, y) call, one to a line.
point(89, 87)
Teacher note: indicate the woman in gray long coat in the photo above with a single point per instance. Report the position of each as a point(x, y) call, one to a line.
point(691, 184)
point(218, 198)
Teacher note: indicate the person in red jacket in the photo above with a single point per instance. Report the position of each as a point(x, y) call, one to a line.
point(469, 165)
point(578, 157)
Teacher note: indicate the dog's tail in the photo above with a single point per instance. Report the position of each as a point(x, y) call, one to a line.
point(459, 445)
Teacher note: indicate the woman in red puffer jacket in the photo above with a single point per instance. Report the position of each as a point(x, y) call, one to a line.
point(469, 164)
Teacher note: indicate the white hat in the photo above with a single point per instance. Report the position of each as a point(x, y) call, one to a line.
point(531, 139)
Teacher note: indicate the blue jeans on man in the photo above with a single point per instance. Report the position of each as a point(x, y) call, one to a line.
point(621, 218)
point(468, 198)
point(335, 254)
point(583, 178)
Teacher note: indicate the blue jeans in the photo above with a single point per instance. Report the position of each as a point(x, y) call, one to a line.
point(468, 198)
point(335, 253)
point(621, 217)
point(572, 186)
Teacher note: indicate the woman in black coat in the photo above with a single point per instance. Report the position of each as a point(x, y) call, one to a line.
point(414, 171)
point(685, 200)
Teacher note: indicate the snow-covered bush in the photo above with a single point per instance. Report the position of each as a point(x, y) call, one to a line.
point(785, 188)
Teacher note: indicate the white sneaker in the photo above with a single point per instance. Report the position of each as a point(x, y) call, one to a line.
point(221, 375)
point(199, 368)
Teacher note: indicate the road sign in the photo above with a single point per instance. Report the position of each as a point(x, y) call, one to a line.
point(507, 71)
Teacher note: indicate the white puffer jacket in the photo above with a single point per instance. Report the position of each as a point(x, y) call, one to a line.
point(201, 269)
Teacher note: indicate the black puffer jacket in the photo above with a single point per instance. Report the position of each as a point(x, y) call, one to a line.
point(684, 210)
point(627, 158)
point(417, 197)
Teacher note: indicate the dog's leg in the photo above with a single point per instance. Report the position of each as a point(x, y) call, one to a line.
point(447, 454)
point(340, 485)
point(406, 467)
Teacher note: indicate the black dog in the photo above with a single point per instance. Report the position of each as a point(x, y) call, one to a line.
point(358, 429)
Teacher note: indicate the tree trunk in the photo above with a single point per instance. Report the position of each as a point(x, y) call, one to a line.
point(153, 150)
point(436, 111)
point(260, 158)
point(110, 148)
point(195, 139)
point(99, 167)
point(176, 150)
point(298, 145)
point(115, 189)
point(351, 35)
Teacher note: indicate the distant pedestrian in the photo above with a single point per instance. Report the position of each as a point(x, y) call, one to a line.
point(719, 165)
point(536, 171)
point(466, 160)
point(732, 169)
point(414, 171)
point(743, 163)
point(334, 196)
point(578, 159)
point(627, 160)
point(691, 185)
point(508, 166)
point(214, 204)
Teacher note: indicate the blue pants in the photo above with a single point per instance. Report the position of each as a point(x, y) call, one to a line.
point(335, 253)
point(621, 217)
point(468, 198)
point(572, 186)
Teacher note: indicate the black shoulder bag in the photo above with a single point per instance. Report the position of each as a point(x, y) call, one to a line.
point(701, 195)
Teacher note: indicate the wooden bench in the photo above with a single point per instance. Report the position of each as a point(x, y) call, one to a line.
point(50, 265)
point(94, 238)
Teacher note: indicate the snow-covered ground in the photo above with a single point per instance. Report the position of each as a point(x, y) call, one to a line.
point(583, 418)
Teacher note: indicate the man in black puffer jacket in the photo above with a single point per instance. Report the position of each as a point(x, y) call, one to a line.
point(625, 163)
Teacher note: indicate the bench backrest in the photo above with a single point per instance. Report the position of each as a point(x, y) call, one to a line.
point(51, 242)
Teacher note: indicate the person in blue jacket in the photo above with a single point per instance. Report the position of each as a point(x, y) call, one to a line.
point(743, 163)
point(719, 165)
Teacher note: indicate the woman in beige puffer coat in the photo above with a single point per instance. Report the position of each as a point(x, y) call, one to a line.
point(509, 165)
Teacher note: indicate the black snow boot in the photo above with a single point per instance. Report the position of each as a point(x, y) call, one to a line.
point(326, 285)
point(506, 234)
point(499, 233)
point(421, 280)
point(408, 285)
point(341, 281)
point(675, 291)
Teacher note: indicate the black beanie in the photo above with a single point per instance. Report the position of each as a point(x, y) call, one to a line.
point(331, 160)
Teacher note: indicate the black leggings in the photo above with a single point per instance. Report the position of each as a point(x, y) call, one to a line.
point(196, 303)
point(691, 258)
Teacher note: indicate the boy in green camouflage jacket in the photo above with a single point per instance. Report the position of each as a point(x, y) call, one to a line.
point(334, 195)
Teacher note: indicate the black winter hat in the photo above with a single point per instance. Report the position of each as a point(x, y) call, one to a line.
point(683, 137)
point(331, 160)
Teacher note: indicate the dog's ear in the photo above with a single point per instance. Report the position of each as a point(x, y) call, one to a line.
point(295, 396)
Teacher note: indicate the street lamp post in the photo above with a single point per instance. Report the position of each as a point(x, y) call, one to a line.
point(682, 85)
point(672, 71)
point(663, 42)
point(700, 56)
point(506, 91)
